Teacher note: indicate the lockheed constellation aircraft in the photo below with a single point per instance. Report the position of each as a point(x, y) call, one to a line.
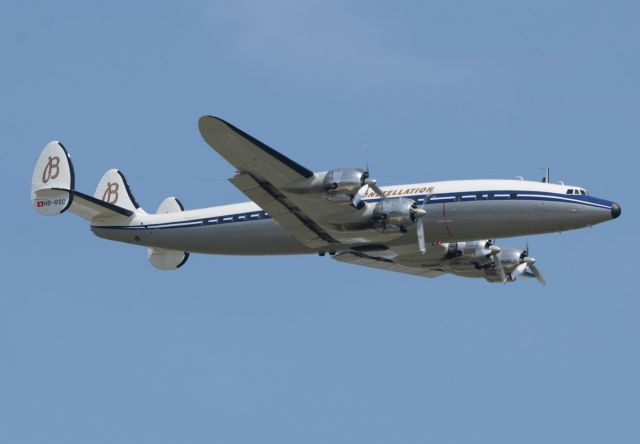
point(423, 229)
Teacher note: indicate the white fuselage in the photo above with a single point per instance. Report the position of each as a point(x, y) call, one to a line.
point(456, 211)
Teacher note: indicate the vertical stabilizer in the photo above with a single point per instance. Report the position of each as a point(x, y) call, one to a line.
point(53, 180)
point(114, 189)
point(161, 258)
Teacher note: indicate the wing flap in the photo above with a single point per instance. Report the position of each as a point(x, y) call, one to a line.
point(282, 212)
point(385, 264)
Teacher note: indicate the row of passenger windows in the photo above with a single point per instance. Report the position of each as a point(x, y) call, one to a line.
point(481, 196)
point(457, 197)
point(264, 215)
point(461, 196)
point(236, 218)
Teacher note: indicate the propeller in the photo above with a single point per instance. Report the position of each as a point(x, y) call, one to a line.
point(517, 272)
point(495, 250)
point(358, 199)
point(536, 272)
point(367, 183)
point(531, 262)
point(419, 213)
point(526, 267)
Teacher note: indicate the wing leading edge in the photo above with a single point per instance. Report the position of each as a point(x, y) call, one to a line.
point(250, 155)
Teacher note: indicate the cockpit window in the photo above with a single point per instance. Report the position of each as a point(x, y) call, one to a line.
point(570, 191)
point(583, 192)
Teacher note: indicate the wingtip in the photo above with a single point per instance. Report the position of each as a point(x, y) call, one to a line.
point(209, 119)
point(208, 123)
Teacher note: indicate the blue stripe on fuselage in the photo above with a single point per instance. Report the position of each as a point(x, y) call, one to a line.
point(464, 196)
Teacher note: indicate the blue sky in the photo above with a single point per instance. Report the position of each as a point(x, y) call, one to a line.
point(97, 346)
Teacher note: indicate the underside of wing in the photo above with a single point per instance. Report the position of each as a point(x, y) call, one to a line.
point(322, 210)
point(263, 174)
point(285, 212)
point(385, 264)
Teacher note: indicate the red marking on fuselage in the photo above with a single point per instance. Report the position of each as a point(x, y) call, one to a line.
point(444, 217)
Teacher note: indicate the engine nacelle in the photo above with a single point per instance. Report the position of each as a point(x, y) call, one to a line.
point(343, 183)
point(475, 249)
point(512, 256)
point(477, 253)
point(396, 213)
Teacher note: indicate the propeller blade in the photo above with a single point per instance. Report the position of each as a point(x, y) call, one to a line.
point(536, 273)
point(374, 186)
point(495, 250)
point(515, 274)
point(358, 198)
point(420, 229)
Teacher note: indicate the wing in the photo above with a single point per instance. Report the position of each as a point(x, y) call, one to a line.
point(250, 155)
point(263, 173)
point(385, 264)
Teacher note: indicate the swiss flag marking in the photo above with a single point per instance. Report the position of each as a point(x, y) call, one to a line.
point(40, 204)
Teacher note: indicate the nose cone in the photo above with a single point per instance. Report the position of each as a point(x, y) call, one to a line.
point(615, 210)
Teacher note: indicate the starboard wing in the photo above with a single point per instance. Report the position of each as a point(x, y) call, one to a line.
point(385, 264)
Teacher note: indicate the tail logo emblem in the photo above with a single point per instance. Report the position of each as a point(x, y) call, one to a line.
point(111, 193)
point(51, 170)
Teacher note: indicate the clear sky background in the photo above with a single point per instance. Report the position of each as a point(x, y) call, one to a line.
point(96, 346)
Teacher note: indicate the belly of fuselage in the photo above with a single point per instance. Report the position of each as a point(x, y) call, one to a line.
point(262, 237)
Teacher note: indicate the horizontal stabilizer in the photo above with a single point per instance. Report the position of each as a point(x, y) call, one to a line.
point(90, 208)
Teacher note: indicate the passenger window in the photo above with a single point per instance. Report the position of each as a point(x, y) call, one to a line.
point(458, 197)
point(479, 196)
point(513, 195)
point(491, 196)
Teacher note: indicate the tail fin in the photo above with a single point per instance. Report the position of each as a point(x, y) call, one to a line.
point(53, 189)
point(52, 181)
point(170, 205)
point(114, 189)
point(161, 258)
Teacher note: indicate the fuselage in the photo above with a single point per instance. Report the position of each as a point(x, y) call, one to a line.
point(460, 210)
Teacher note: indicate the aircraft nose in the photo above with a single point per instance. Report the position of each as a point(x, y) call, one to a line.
point(615, 210)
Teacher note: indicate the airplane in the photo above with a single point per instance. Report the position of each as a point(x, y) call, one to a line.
point(423, 229)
